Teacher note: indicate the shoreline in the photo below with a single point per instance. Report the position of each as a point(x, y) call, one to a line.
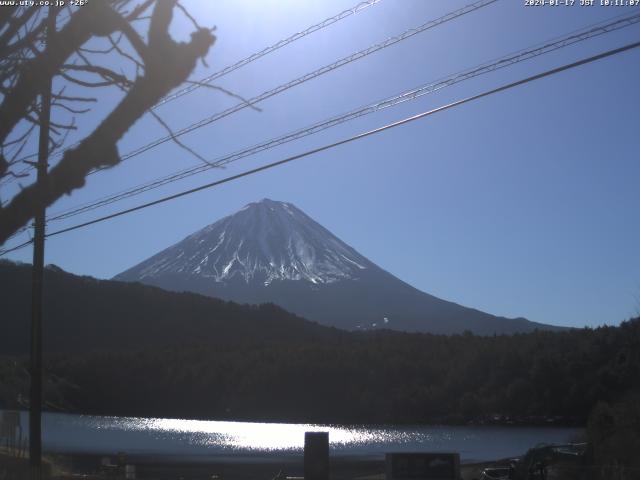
point(241, 467)
point(504, 421)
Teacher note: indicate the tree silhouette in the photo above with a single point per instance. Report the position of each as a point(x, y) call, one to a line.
point(159, 62)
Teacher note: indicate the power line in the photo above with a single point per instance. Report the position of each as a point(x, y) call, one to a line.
point(502, 62)
point(17, 247)
point(327, 68)
point(276, 46)
point(305, 78)
point(318, 72)
point(359, 136)
point(239, 64)
point(17, 232)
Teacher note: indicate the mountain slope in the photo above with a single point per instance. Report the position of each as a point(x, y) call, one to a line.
point(82, 314)
point(273, 252)
point(264, 242)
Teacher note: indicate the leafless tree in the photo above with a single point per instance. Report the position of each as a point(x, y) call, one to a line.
point(136, 32)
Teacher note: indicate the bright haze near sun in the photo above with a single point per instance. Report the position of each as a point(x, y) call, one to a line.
point(522, 204)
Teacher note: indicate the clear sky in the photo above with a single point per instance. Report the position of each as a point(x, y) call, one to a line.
point(521, 204)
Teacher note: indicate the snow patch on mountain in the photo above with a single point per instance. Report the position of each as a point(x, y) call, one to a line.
point(263, 242)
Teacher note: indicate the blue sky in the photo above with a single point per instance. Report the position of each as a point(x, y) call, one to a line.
point(521, 204)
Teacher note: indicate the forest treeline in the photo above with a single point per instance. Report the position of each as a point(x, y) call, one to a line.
point(381, 377)
point(84, 314)
point(261, 363)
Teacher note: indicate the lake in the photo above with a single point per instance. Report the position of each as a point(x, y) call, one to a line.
point(200, 440)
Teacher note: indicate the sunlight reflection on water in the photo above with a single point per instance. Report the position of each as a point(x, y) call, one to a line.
point(263, 436)
point(211, 439)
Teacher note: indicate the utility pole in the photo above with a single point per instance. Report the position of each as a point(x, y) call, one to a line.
point(35, 397)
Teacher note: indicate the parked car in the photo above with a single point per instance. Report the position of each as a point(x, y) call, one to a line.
point(495, 473)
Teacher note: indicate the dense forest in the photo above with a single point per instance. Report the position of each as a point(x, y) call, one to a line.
point(379, 378)
point(83, 314)
point(362, 378)
point(257, 371)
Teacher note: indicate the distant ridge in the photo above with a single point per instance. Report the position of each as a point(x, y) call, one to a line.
point(271, 251)
point(84, 314)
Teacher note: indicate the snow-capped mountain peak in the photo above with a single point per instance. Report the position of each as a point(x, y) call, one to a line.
point(265, 241)
point(273, 252)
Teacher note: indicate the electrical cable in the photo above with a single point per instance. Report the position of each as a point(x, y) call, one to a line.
point(240, 63)
point(508, 60)
point(353, 138)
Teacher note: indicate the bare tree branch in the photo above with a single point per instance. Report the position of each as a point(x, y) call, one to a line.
point(189, 16)
point(116, 47)
point(139, 10)
point(96, 18)
point(15, 23)
point(226, 92)
point(23, 42)
point(167, 65)
point(84, 83)
point(177, 140)
point(77, 111)
point(74, 99)
point(108, 75)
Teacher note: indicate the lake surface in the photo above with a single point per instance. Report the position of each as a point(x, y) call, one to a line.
point(210, 440)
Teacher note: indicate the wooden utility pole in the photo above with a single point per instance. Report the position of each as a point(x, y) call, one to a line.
point(35, 397)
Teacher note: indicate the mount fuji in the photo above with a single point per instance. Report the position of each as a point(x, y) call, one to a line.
point(273, 252)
